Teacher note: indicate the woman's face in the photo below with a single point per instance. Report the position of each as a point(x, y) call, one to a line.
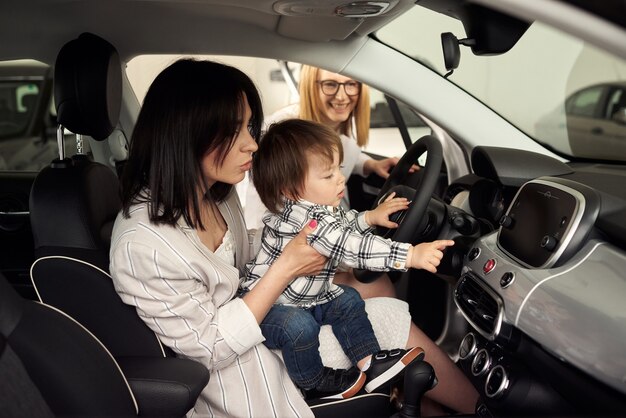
point(336, 108)
point(237, 161)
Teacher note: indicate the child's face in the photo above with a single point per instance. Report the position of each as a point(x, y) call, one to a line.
point(324, 184)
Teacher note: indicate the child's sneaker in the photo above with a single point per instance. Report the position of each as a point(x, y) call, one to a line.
point(387, 366)
point(338, 384)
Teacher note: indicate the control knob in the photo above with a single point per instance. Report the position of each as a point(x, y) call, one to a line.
point(497, 382)
point(548, 242)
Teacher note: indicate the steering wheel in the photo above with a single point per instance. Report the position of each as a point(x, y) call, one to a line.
point(410, 220)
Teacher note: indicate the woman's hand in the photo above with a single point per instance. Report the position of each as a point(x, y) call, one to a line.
point(383, 167)
point(380, 215)
point(299, 258)
point(428, 255)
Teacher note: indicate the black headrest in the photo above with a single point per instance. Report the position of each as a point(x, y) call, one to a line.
point(87, 194)
point(88, 86)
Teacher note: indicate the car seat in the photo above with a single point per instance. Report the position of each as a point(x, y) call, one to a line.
point(74, 202)
point(51, 365)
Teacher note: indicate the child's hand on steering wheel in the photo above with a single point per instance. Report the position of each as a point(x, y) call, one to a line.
point(380, 215)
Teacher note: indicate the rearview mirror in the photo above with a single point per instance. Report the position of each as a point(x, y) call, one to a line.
point(451, 52)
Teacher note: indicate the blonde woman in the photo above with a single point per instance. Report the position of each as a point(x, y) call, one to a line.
point(342, 104)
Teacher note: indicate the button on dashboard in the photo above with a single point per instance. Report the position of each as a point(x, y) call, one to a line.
point(468, 346)
point(506, 279)
point(497, 382)
point(489, 266)
point(481, 363)
point(473, 254)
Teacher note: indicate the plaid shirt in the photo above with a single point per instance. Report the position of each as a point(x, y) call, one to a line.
point(343, 237)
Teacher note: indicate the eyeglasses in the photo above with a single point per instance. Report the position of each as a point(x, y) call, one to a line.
point(331, 87)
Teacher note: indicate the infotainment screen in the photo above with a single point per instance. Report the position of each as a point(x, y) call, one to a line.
point(536, 227)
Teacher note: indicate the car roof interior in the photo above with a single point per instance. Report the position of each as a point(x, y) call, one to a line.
point(284, 24)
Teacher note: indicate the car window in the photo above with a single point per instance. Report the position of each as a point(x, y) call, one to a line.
point(616, 103)
point(17, 102)
point(585, 103)
point(532, 84)
point(28, 117)
point(385, 139)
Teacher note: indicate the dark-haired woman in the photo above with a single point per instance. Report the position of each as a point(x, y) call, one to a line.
point(179, 245)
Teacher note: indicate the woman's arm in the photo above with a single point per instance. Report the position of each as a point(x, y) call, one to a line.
point(297, 259)
point(182, 302)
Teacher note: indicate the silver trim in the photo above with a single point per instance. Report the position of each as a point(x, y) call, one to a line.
point(496, 329)
point(579, 210)
point(16, 213)
point(61, 142)
point(504, 384)
point(485, 367)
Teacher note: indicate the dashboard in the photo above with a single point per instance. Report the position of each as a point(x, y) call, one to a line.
point(544, 289)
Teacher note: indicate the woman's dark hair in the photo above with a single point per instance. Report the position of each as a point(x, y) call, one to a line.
point(280, 165)
point(192, 108)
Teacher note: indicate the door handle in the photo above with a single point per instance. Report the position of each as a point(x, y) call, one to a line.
point(597, 130)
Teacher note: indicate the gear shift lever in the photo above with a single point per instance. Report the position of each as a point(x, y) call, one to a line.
point(419, 378)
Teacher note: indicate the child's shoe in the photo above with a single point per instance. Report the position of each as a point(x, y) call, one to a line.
point(338, 384)
point(387, 366)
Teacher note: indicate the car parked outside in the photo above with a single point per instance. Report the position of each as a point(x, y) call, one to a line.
point(28, 117)
point(591, 123)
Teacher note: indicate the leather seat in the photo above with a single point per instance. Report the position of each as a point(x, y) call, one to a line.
point(50, 365)
point(74, 202)
point(73, 205)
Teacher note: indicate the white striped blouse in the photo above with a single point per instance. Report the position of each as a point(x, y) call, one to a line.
point(185, 293)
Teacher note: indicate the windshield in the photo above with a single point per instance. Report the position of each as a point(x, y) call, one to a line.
point(566, 94)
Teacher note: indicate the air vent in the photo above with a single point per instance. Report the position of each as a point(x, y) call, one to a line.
point(452, 192)
point(480, 306)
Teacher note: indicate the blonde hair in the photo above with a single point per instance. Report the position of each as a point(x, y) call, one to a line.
point(310, 108)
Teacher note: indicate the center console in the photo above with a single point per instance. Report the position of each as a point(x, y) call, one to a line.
point(510, 292)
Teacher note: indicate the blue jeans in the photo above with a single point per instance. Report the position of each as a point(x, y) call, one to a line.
point(295, 331)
